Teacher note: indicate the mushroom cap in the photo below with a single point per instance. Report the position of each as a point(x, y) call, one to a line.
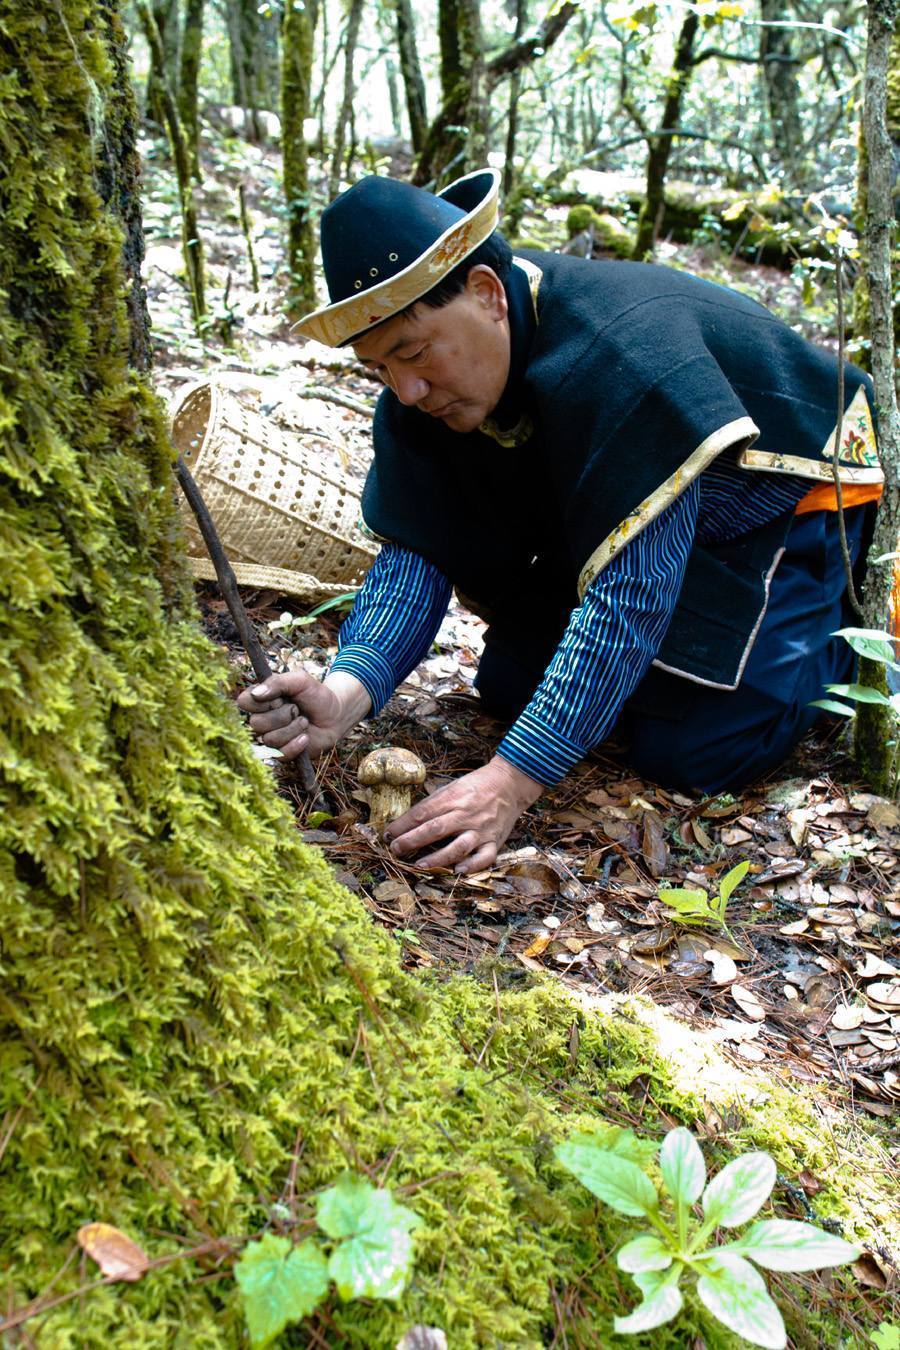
point(391, 765)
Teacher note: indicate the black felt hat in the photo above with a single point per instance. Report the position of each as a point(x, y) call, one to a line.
point(386, 243)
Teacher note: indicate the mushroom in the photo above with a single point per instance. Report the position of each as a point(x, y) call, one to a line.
point(390, 775)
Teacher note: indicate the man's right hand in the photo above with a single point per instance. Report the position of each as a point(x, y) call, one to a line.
point(296, 712)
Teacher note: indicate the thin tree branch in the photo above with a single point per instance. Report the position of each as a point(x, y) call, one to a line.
point(529, 48)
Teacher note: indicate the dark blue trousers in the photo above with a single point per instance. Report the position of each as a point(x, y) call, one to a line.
point(687, 735)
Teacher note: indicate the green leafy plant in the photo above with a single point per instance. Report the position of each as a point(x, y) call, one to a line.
point(689, 906)
point(877, 645)
point(727, 1284)
point(287, 622)
point(887, 1337)
point(369, 1256)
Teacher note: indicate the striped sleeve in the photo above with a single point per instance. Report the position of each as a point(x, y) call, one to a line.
point(393, 621)
point(606, 649)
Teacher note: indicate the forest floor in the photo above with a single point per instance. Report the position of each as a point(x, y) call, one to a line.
point(805, 981)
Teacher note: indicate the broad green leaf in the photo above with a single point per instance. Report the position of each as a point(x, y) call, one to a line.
point(616, 1181)
point(738, 1191)
point(279, 1284)
point(645, 1252)
point(832, 705)
point(648, 1281)
point(862, 693)
point(685, 901)
point(732, 879)
point(682, 1166)
point(616, 1139)
point(870, 642)
point(657, 1308)
point(886, 1337)
point(374, 1259)
point(785, 1244)
point(736, 1294)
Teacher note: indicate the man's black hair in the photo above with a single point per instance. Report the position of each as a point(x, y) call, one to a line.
point(495, 252)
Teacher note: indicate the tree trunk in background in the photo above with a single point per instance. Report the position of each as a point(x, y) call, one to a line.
point(782, 87)
point(876, 761)
point(394, 96)
point(413, 81)
point(297, 51)
point(512, 116)
point(192, 244)
point(351, 37)
point(650, 218)
point(253, 39)
point(165, 12)
point(457, 139)
point(188, 91)
point(118, 178)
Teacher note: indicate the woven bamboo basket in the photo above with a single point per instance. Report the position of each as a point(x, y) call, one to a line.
point(285, 522)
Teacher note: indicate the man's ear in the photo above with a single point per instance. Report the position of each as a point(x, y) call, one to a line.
point(487, 288)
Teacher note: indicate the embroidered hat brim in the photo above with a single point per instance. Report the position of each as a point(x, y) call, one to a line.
point(476, 195)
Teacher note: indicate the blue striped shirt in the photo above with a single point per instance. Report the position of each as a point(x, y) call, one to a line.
point(611, 637)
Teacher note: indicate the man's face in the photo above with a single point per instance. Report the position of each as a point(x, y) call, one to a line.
point(452, 363)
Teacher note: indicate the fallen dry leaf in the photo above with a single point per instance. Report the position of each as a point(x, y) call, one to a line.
point(656, 940)
point(533, 878)
point(847, 1017)
point(732, 1029)
point(873, 965)
point(830, 915)
point(117, 1256)
point(539, 944)
point(748, 1002)
point(653, 845)
point(870, 1272)
point(723, 968)
point(885, 994)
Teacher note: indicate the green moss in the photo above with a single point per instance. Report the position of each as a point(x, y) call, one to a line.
point(609, 233)
point(185, 989)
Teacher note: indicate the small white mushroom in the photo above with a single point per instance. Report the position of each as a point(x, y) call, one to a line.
point(390, 774)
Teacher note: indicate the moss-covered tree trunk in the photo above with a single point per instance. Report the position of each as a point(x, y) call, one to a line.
point(188, 79)
point(192, 244)
point(165, 12)
point(457, 139)
point(411, 70)
point(650, 218)
point(345, 111)
point(297, 52)
point(876, 756)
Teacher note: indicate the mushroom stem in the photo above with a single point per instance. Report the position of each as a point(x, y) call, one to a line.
point(388, 803)
point(390, 774)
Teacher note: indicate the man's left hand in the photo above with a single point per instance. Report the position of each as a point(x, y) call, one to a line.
point(474, 815)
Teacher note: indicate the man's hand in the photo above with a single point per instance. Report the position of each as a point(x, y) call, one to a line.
point(297, 712)
point(475, 815)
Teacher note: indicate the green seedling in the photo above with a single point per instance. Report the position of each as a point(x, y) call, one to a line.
point(676, 1243)
point(368, 1255)
point(287, 622)
point(689, 906)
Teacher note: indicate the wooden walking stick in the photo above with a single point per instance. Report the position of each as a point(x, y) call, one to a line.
point(228, 584)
